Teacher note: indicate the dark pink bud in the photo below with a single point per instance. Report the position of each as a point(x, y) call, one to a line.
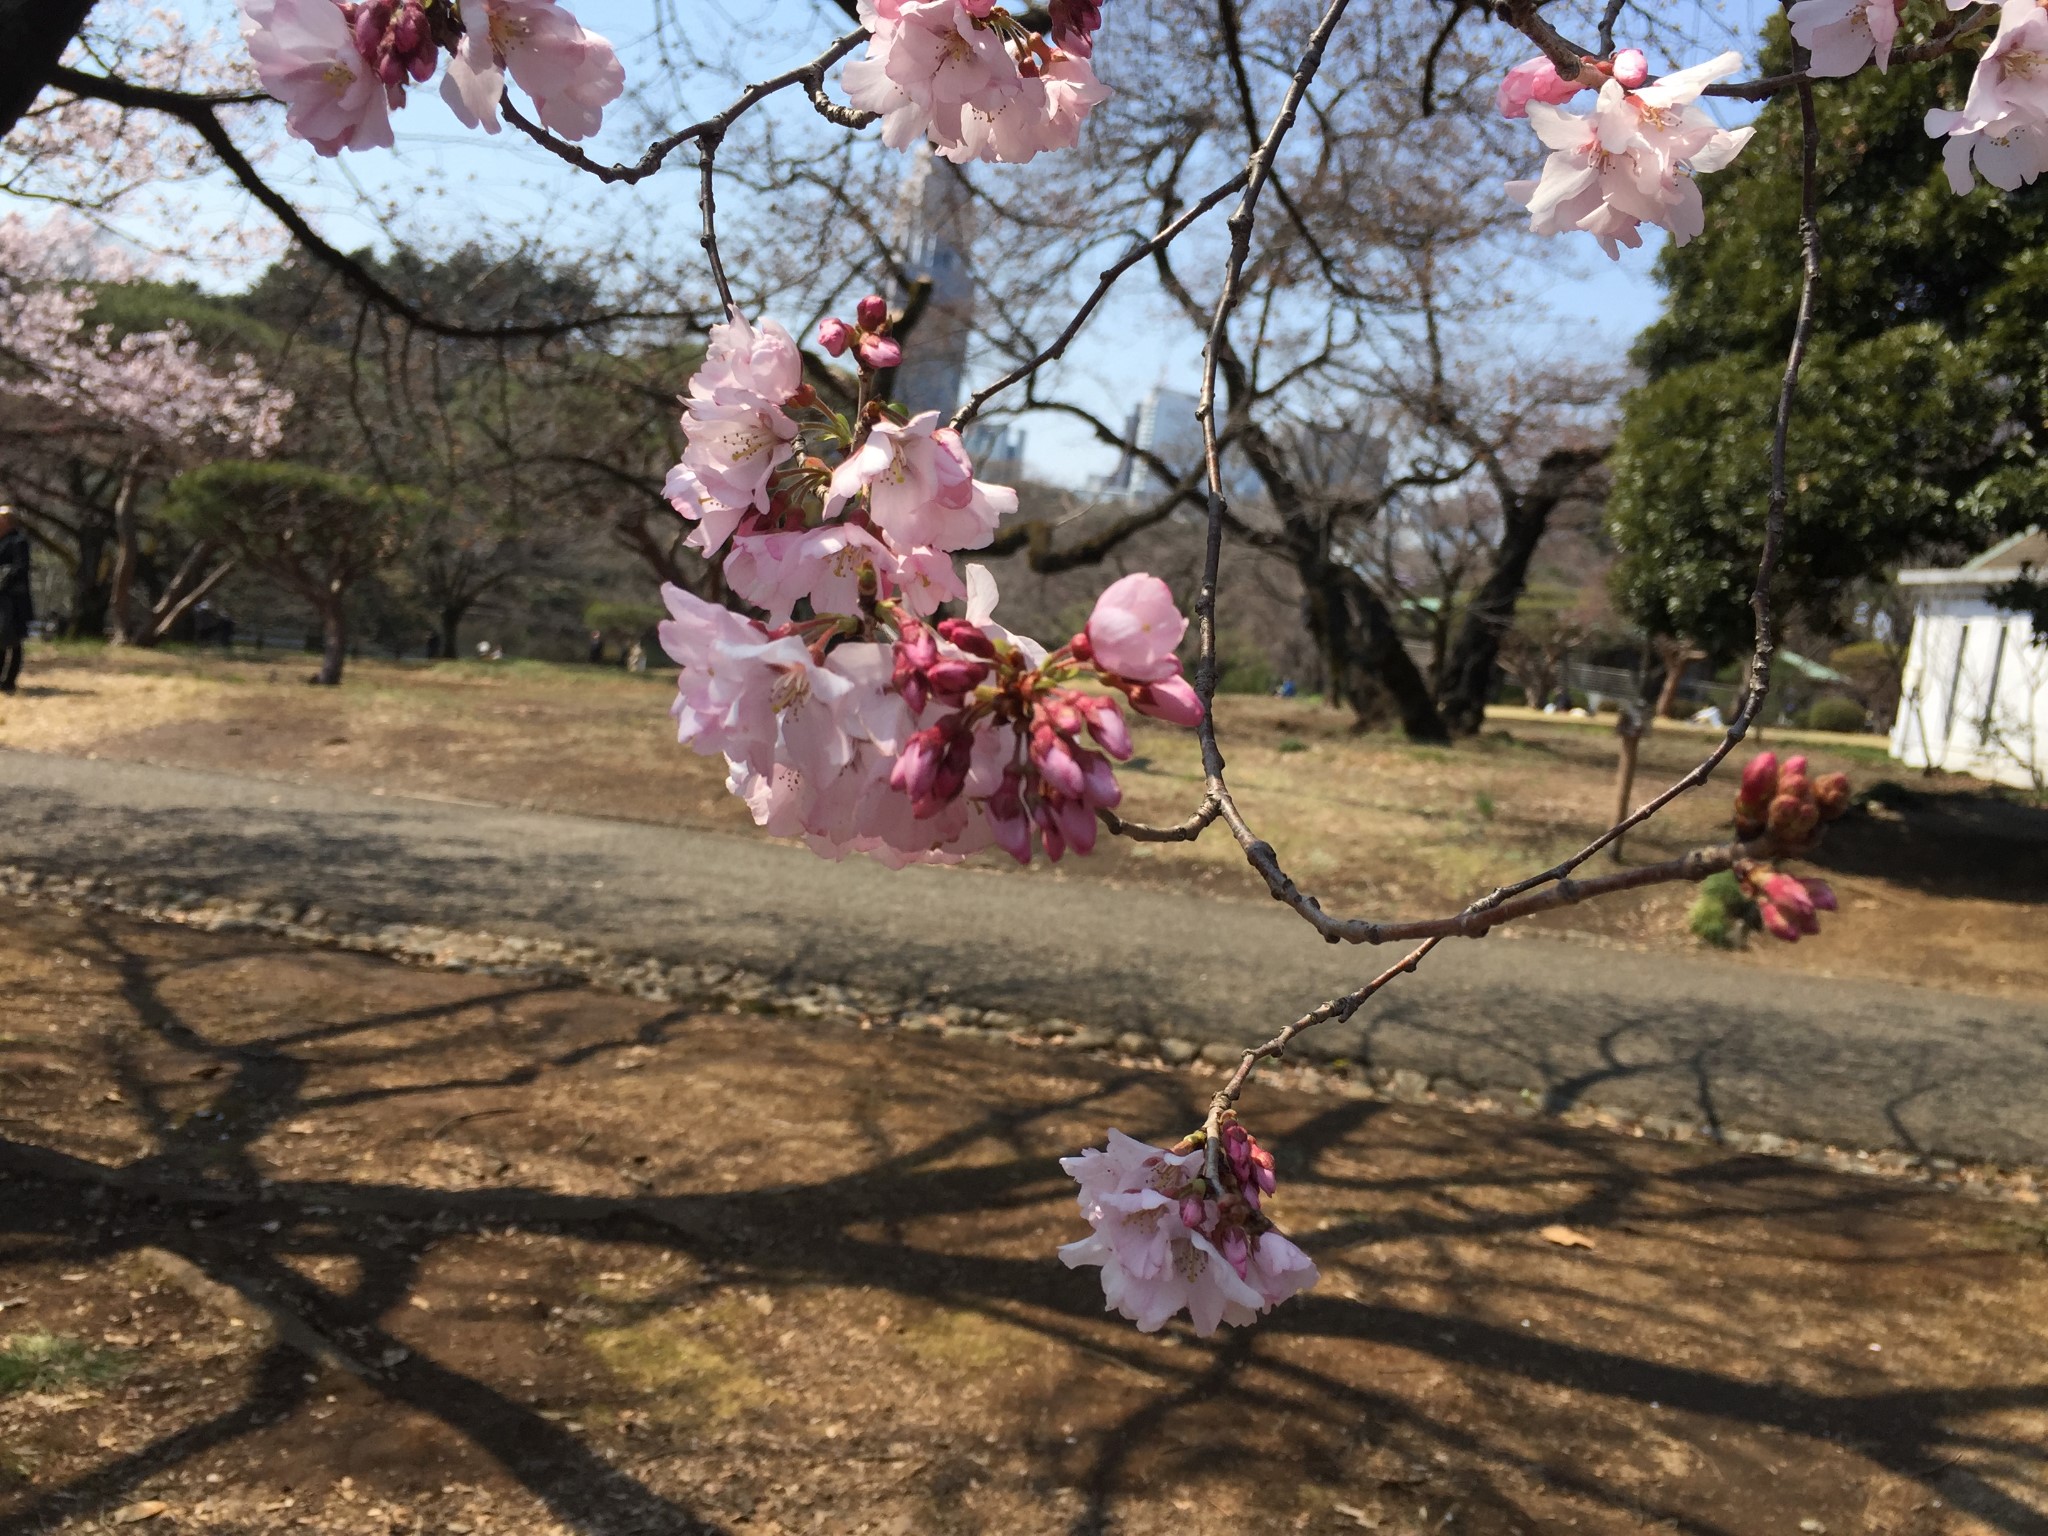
point(918, 767)
point(968, 637)
point(1821, 894)
point(1237, 1248)
point(1049, 833)
point(1006, 819)
point(1082, 647)
point(1789, 896)
point(1759, 780)
point(423, 66)
point(1794, 768)
point(1055, 761)
point(835, 336)
point(954, 680)
point(872, 312)
point(1191, 1213)
point(368, 32)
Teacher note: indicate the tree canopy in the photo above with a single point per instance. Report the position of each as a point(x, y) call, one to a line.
point(1920, 419)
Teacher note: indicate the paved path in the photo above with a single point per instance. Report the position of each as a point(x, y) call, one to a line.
point(1861, 1063)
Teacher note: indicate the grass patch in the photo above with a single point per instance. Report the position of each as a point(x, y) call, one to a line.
point(44, 1362)
point(1293, 745)
point(1483, 803)
point(669, 1357)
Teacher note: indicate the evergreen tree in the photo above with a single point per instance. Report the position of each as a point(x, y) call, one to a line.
point(1919, 425)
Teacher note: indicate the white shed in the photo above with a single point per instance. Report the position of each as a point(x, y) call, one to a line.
point(1974, 698)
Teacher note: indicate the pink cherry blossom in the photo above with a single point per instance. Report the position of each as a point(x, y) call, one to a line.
point(306, 56)
point(2009, 155)
point(921, 486)
point(938, 70)
point(1843, 35)
point(1135, 629)
point(775, 571)
point(1074, 25)
point(738, 434)
point(1536, 79)
point(1631, 161)
point(571, 74)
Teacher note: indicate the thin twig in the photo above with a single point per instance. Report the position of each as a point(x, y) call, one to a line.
point(811, 76)
point(1501, 905)
point(1105, 280)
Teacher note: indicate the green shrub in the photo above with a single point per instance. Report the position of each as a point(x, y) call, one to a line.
point(1834, 713)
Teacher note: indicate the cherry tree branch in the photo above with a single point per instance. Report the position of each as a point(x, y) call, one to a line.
point(1511, 902)
point(711, 130)
point(201, 114)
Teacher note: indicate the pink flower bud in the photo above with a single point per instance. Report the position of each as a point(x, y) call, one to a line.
point(1789, 896)
point(1049, 834)
point(1077, 825)
point(835, 336)
point(1099, 787)
point(969, 637)
point(1080, 646)
point(1792, 818)
point(1191, 1212)
point(1106, 725)
point(1055, 761)
point(1759, 779)
point(872, 312)
point(1236, 1248)
point(1821, 894)
point(918, 766)
point(1631, 69)
point(1536, 79)
point(1007, 822)
point(1173, 701)
point(1795, 768)
point(1776, 925)
point(877, 352)
point(953, 680)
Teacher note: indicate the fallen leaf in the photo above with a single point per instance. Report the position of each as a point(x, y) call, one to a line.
point(1565, 1237)
point(135, 1514)
point(1357, 1517)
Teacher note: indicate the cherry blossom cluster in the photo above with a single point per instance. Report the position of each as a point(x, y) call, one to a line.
point(851, 712)
point(2002, 128)
point(974, 80)
point(341, 67)
point(1178, 1229)
point(1781, 804)
point(156, 385)
point(1628, 161)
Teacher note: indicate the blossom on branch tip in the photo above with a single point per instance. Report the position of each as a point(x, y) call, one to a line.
point(969, 78)
point(1844, 35)
point(571, 74)
point(1135, 629)
point(1630, 161)
point(1166, 1241)
point(306, 56)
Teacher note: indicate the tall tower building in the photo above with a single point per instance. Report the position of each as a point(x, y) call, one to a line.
point(935, 230)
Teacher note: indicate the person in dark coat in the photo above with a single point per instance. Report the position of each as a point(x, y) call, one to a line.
point(15, 608)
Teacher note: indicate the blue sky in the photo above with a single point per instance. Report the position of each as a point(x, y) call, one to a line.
point(450, 183)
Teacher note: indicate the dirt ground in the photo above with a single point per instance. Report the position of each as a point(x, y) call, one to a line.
point(1943, 881)
point(298, 1240)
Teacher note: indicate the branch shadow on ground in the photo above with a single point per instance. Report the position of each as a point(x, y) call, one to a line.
point(873, 1225)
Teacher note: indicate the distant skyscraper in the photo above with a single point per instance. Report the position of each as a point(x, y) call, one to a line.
point(935, 230)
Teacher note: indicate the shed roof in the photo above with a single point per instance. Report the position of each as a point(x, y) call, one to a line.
point(2002, 562)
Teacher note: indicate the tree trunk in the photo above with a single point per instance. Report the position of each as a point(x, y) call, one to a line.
point(127, 556)
point(89, 590)
point(451, 626)
point(333, 643)
point(1676, 655)
point(1468, 678)
point(33, 36)
point(1369, 667)
point(183, 593)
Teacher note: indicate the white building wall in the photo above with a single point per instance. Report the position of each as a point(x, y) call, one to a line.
point(1975, 692)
